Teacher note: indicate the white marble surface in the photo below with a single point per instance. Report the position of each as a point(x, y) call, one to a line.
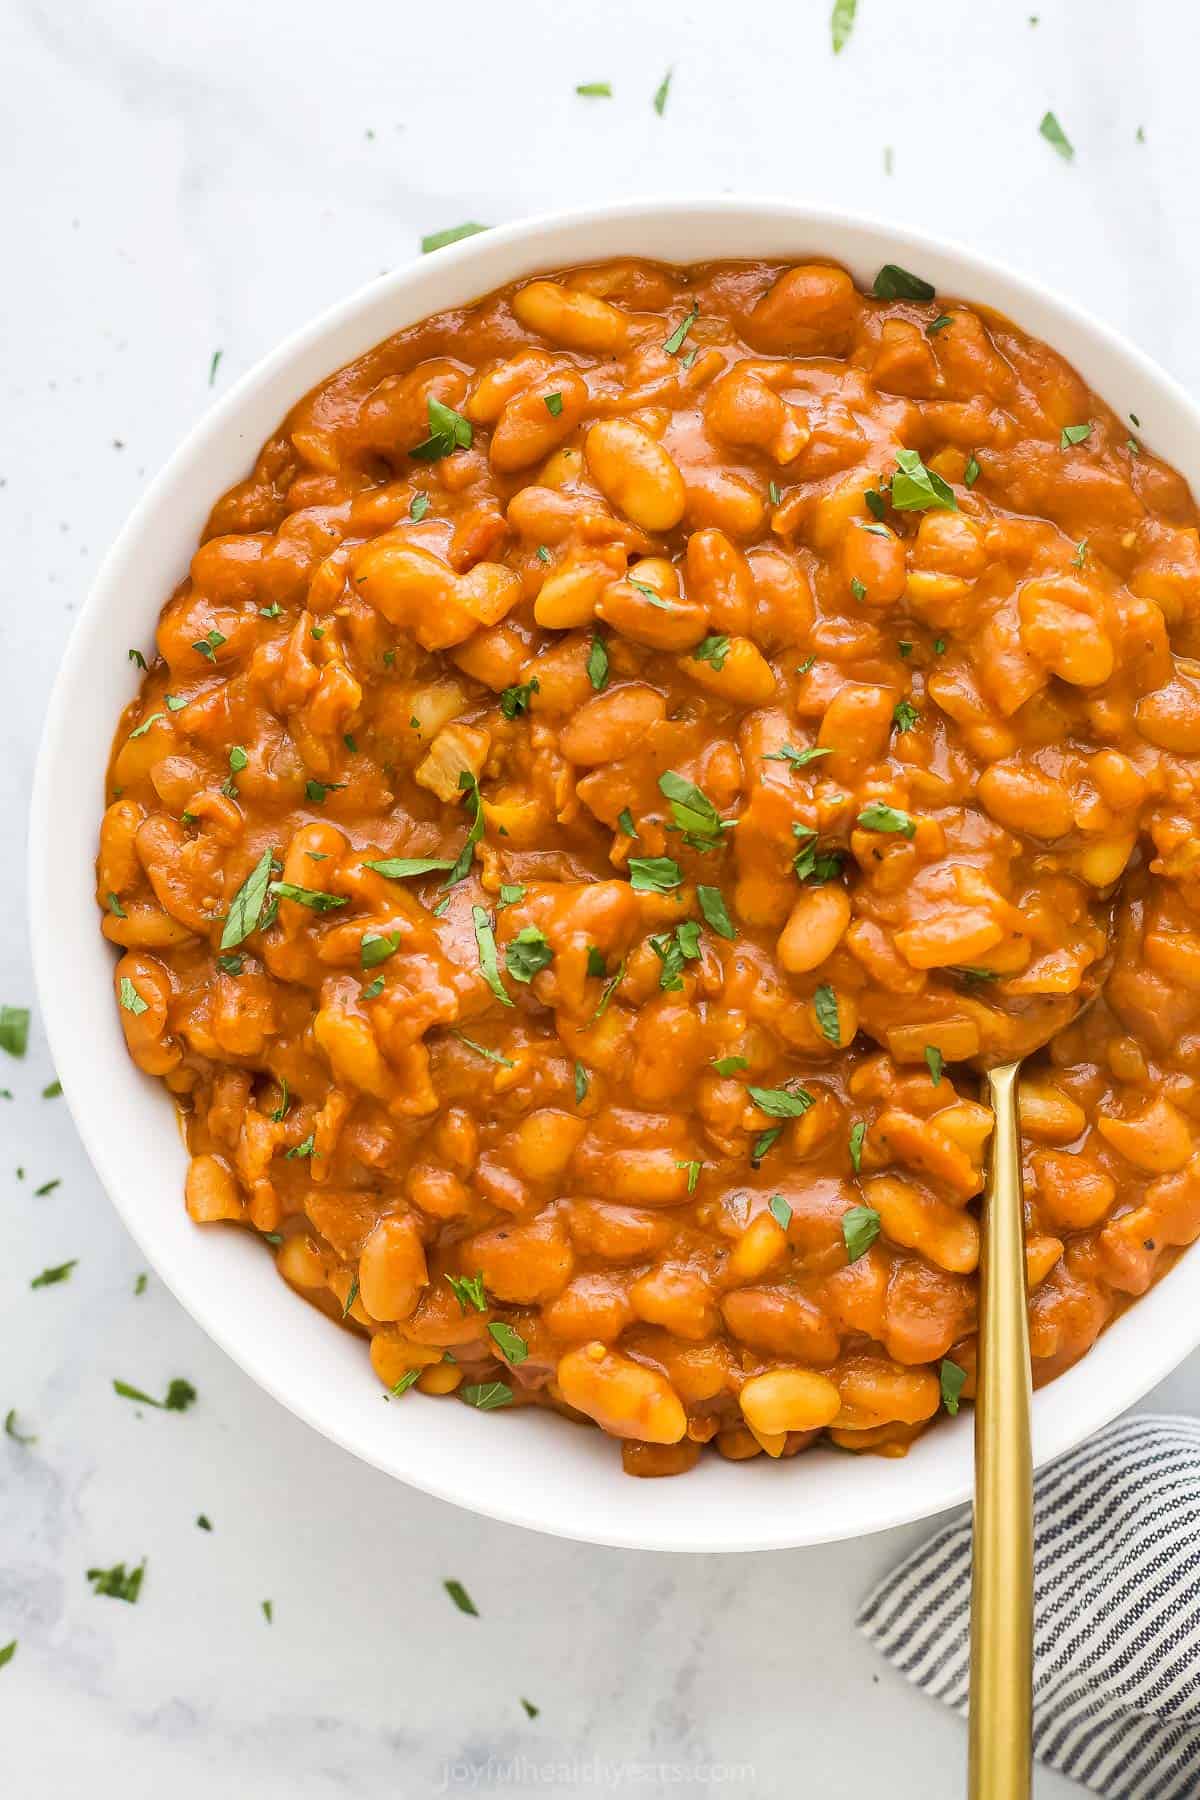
point(186, 179)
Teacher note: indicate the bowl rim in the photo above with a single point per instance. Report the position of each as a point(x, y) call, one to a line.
point(473, 264)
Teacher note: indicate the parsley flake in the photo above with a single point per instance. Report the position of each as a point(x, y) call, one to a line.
point(826, 1008)
point(860, 1228)
point(712, 649)
point(877, 817)
point(1054, 135)
point(895, 283)
point(954, 1379)
point(485, 940)
point(437, 240)
point(448, 431)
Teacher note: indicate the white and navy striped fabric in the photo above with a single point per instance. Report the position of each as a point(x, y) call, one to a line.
point(1117, 1612)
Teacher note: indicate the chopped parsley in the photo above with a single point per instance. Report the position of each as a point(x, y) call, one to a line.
point(468, 1291)
point(117, 1583)
point(917, 489)
point(582, 1078)
point(674, 344)
point(939, 324)
point(1073, 434)
point(47, 1187)
point(673, 949)
point(14, 1029)
point(716, 915)
point(954, 1380)
point(652, 595)
point(418, 506)
point(764, 1142)
point(812, 864)
point(209, 644)
point(934, 1062)
point(515, 700)
point(143, 728)
point(485, 939)
point(203, 1522)
point(318, 791)
point(905, 716)
point(246, 909)
point(513, 1347)
point(528, 952)
point(130, 999)
point(860, 1228)
point(554, 404)
point(798, 758)
point(693, 813)
point(876, 504)
point(694, 1170)
point(877, 817)
point(316, 899)
point(895, 283)
point(780, 1211)
point(971, 472)
point(400, 868)
point(135, 656)
point(782, 1102)
point(841, 23)
point(510, 893)
point(595, 90)
point(597, 664)
point(625, 822)
point(10, 1429)
point(437, 240)
point(653, 874)
point(298, 1152)
point(179, 1396)
point(610, 988)
point(51, 1277)
point(858, 1132)
point(461, 1598)
point(857, 588)
point(729, 1065)
point(1054, 135)
point(375, 947)
point(448, 431)
point(486, 1395)
point(462, 863)
point(826, 1008)
point(482, 1049)
point(712, 649)
point(661, 92)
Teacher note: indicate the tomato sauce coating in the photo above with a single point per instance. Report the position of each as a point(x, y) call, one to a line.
point(624, 748)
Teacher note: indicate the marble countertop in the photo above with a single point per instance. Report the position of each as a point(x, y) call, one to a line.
point(200, 180)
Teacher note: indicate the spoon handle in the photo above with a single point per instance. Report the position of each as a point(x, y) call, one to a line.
point(1002, 1582)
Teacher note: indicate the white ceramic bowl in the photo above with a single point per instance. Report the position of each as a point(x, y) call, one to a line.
point(530, 1468)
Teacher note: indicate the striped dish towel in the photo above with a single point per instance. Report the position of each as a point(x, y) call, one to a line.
point(1116, 1669)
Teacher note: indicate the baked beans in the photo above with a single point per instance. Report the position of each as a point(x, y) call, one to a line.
point(622, 748)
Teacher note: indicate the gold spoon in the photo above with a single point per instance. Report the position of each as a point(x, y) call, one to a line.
point(1000, 1730)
